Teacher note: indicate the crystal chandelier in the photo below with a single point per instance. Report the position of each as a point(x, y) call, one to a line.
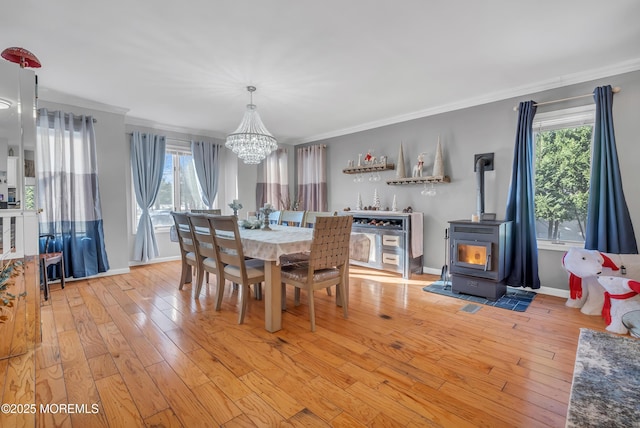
point(251, 141)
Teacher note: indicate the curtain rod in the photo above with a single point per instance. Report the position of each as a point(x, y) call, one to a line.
point(168, 138)
point(614, 90)
point(52, 113)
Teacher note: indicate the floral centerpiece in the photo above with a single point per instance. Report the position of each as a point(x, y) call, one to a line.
point(266, 212)
point(235, 206)
point(8, 271)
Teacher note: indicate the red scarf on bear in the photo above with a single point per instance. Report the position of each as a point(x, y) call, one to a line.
point(606, 308)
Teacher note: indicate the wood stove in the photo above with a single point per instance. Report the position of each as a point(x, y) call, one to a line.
point(479, 258)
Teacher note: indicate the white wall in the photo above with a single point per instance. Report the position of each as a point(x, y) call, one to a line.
point(481, 129)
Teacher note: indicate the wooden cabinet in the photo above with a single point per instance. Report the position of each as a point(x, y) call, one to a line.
point(391, 235)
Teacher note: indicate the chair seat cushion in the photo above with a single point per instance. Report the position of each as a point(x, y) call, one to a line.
point(191, 256)
point(209, 263)
point(294, 259)
point(300, 274)
point(255, 269)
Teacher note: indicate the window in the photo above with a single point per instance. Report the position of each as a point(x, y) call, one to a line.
point(562, 172)
point(179, 189)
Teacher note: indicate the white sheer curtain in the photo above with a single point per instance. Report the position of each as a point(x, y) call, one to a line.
point(273, 180)
point(312, 177)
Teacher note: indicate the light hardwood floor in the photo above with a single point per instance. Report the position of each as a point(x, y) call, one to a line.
point(146, 354)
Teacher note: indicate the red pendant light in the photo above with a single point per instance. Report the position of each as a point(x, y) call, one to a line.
point(21, 56)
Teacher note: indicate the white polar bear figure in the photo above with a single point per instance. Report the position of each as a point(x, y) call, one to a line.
point(583, 266)
point(621, 296)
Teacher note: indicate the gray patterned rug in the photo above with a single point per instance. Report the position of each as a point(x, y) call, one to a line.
point(606, 382)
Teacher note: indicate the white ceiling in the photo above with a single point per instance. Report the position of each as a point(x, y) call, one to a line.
point(322, 68)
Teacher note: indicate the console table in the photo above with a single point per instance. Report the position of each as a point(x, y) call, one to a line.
point(396, 240)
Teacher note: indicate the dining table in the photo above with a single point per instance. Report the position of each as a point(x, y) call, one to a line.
point(269, 245)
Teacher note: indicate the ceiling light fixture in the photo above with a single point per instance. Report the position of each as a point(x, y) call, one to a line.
point(251, 141)
point(4, 104)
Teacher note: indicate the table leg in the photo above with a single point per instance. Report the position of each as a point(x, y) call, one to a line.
point(272, 297)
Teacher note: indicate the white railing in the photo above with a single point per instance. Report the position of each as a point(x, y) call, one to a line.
point(18, 234)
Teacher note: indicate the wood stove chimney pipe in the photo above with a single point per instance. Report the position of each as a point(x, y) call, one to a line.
point(483, 162)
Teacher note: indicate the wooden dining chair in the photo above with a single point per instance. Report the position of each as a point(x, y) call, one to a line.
point(274, 217)
point(204, 249)
point(291, 218)
point(232, 264)
point(300, 259)
point(310, 217)
point(187, 247)
point(327, 264)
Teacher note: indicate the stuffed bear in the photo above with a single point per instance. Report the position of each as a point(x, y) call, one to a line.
point(621, 296)
point(583, 267)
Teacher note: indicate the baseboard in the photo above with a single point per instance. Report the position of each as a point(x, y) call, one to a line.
point(156, 260)
point(110, 272)
point(551, 291)
point(431, 271)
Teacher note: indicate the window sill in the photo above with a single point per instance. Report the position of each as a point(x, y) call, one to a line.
point(558, 246)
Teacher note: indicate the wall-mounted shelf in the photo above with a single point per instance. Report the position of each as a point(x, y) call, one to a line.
point(420, 180)
point(368, 168)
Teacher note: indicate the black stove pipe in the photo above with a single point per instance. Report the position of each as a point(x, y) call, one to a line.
point(481, 162)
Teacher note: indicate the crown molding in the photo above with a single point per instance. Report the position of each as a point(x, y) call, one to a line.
point(54, 96)
point(519, 91)
point(137, 121)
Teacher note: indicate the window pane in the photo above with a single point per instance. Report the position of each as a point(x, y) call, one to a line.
point(189, 186)
point(562, 171)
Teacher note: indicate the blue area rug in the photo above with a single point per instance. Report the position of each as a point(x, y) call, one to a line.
point(605, 391)
point(515, 299)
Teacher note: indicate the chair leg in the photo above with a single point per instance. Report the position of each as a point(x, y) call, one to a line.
point(257, 290)
point(312, 310)
point(220, 290)
point(185, 275)
point(328, 291)
point(340, 297)
point(45, 283)
point(62, 274)
point(296, 296)
point(283, 297)
point(244, 300)
point(199, 278)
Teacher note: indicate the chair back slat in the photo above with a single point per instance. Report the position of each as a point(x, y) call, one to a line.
point(292, 218)
point(215, 211)
point(203, 235)
point(227, 240)
point(274, 217)
point(330, 246)
point(310, 217)
point(184, 232)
